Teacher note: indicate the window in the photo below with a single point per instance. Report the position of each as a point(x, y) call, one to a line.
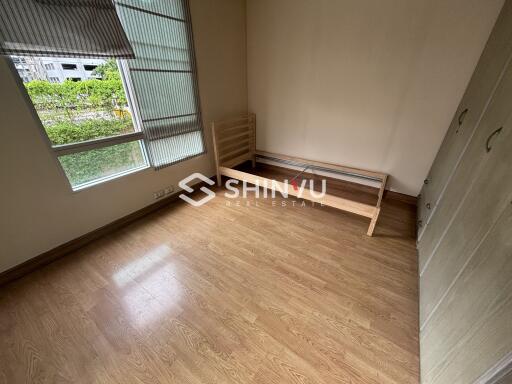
point(49, 67)
point(139, 111)
point(89, 124)
point(69, 66)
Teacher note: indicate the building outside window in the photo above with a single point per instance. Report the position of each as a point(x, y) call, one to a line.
point(67, 66)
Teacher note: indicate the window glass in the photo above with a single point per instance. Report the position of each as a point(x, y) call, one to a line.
point(77, 109)
point(83, 168)
point(69, 66)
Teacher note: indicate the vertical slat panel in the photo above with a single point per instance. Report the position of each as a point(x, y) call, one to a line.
point(164, 78)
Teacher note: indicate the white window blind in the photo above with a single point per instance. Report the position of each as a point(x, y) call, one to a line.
point(62, 28)
point(163, 78)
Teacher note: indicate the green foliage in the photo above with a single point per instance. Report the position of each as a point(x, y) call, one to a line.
point(108, 71)
point(71, 99)
point(67, 132)
point(87, 166)
point(78, 111)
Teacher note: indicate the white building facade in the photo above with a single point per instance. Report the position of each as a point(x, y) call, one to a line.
point(55, 69)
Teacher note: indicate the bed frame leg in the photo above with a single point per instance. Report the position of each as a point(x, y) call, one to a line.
point(375, 217)
point(373, 223)
point(252, 122)
point(217, 155)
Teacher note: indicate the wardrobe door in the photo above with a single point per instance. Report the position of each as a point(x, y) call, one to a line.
point(471, 329)
point(477, 159)
point(481, 202)
point(473, 104)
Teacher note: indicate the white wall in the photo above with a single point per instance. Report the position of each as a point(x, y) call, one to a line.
point(365, 83)
point(38, 211)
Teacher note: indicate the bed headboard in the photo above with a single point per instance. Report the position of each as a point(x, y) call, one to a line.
point(234, 141)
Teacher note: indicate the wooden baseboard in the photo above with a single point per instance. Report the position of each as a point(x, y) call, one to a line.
point(45, 258)
point(407, 199)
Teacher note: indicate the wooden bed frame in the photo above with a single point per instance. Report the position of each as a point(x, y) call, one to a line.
point(234, 143)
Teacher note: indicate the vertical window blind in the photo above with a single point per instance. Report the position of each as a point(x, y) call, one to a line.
point(163, 77)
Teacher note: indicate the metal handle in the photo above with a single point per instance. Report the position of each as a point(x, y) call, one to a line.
point(488, 142)
point(428, 205)
point(420, 223)
point(425, 181)
point(462, 116)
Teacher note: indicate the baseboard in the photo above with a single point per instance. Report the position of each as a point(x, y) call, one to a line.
point(56, 253)
point(407, 199)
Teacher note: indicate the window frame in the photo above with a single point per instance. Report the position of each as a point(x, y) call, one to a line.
point(88, 145)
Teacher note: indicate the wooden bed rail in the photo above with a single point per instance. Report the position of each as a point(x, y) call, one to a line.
point(330, 200)
point(235, 142)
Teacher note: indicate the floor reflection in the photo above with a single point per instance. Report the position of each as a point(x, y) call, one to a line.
point(148, 287)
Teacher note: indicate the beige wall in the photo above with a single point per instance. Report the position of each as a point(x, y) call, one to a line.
point(38, 209)
point(366, 83)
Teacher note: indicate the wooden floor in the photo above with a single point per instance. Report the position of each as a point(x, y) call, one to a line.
point(223, 294)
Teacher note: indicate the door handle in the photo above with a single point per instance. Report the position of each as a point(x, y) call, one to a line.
point(462, 116)
point(488, 146)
